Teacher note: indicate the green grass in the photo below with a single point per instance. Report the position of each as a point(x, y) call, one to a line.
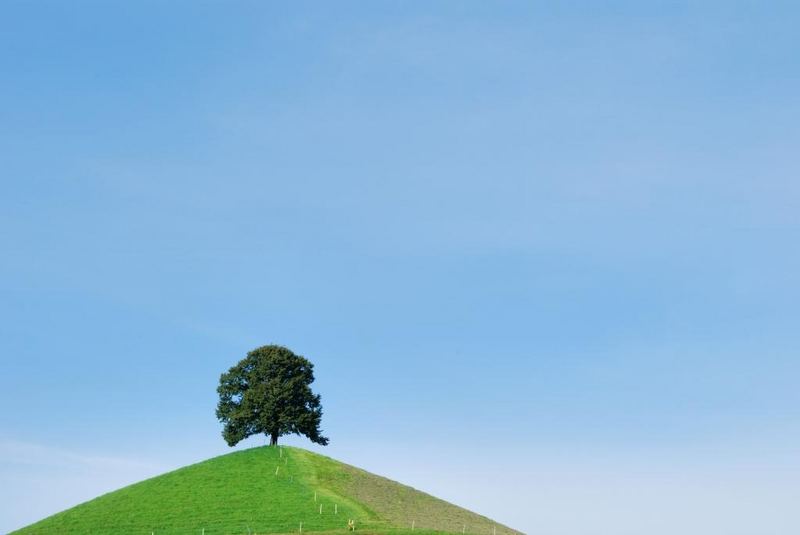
point(240, 493)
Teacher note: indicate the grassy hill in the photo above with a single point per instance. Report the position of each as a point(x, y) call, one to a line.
point(266, 490)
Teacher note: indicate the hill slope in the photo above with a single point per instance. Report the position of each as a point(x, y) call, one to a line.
point(265, 490)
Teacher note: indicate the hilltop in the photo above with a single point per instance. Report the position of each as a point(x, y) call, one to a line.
point(266, 490)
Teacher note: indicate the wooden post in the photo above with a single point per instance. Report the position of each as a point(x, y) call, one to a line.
point(301, 527)
point(336, 508)
point(320, 508)
point(412, 524)
point(276, 470)
point(315, 496)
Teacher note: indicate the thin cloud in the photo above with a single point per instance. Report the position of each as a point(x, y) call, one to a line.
point(28, 453)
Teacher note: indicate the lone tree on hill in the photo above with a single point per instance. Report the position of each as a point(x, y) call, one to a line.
point(269, 392)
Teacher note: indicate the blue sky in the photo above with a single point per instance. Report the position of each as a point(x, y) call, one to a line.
point(543, 257)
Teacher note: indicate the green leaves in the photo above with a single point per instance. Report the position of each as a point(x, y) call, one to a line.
point(269, 392)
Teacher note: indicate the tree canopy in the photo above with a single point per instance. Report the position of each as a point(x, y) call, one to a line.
point(269, 392)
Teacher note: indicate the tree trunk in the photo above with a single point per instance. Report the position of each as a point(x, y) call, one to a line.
point(273, 439)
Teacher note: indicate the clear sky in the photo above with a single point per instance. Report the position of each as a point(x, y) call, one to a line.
point(545, 258)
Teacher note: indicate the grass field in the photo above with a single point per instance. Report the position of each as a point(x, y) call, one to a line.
point(266, 490)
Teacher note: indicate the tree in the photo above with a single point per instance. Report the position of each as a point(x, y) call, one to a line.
point(269, 392)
